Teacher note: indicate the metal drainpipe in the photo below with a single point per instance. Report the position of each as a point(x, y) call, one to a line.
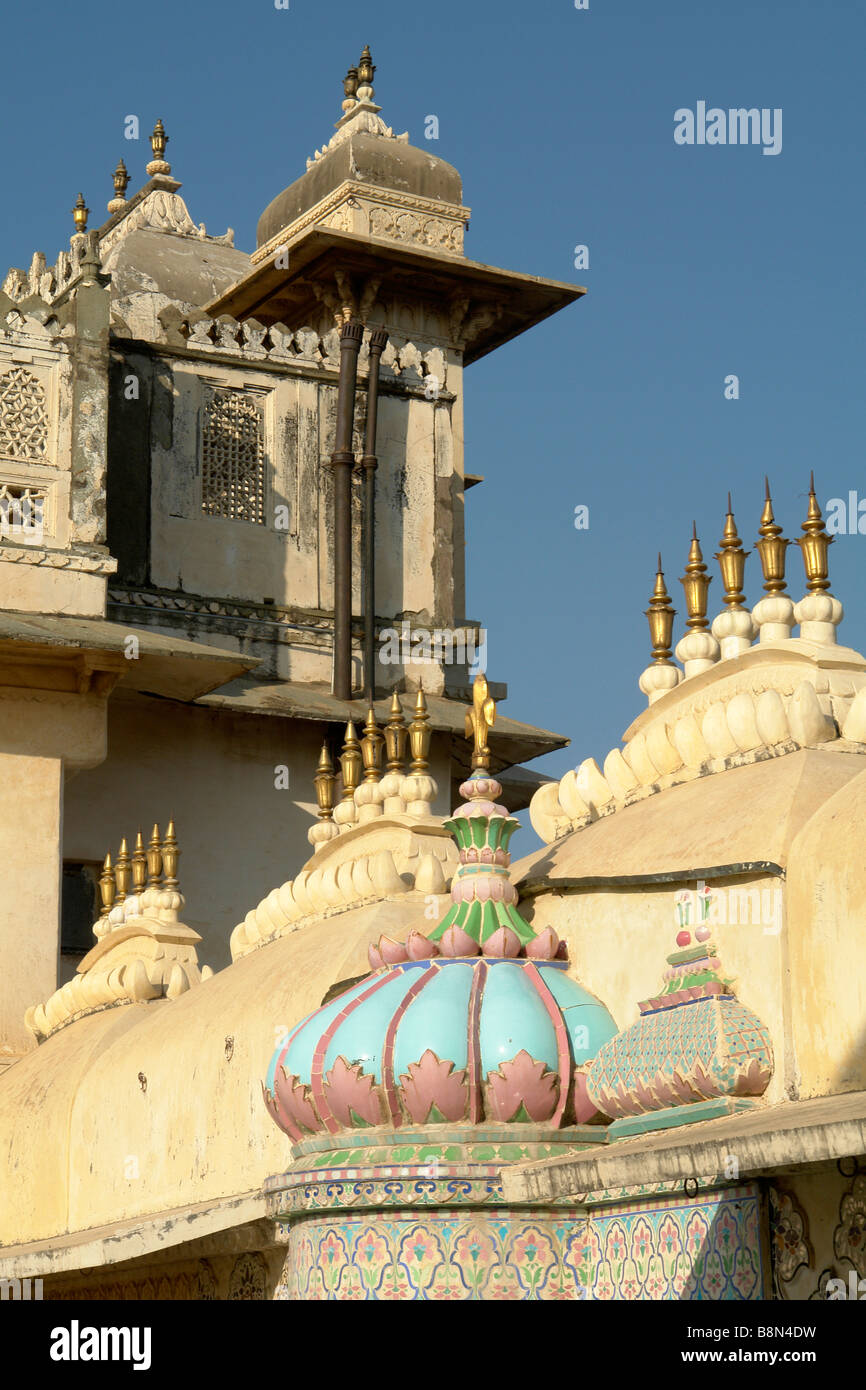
point(343, 462)
point(378, 343)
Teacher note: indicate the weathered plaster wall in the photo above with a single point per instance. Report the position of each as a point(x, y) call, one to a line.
point(213, 772)
point(30, 813)
point(827, 934)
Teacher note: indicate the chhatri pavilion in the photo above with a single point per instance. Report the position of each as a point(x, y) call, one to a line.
point(631, 1065)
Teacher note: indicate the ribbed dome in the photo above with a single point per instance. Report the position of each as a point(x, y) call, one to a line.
point(378, 160)
point(445, 1040)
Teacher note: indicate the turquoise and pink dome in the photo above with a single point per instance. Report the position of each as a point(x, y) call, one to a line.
point(448, 1040)
point(479, 1021)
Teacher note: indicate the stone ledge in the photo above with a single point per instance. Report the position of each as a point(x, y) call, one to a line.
point(763, 1141)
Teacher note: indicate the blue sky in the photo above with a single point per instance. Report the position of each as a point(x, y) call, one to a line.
point(704, 261)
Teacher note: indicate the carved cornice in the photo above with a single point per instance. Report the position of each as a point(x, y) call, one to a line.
point(186, 605)
point(57, 559)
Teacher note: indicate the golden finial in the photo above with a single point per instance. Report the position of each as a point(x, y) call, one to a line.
point(696, 582)
point(372, 745)
point(732, 561)
point(771, 547)
point(480, 718)
point(139, 865)
point(154, 858)
point(122, 871)
point(158, 142)
point(350, 88)
point(366, 71)
point(80, 214)
point(107, 886)
point(660, 616)
point(324, 779)
point(419, 737)
point(814, 545)
point(170, 856)
point(396, 735)
point(350, 762)
point(120, 178)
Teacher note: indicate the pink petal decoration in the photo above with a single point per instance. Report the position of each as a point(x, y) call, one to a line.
point(522, 1081)
point(503, 943)
point(295, 1100)
point(348, 1088)
point(482, 889)
point(420, 947)
point(279, 1116)
point(585, 1108)
point(375, 959)
point(456, 942)
point(544, 946)
point(392, 952)
point(431, 1082)
point(754, 1081)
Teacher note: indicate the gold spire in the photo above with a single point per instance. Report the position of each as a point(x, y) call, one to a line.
point(732, 561)
point(350, 88)
point(122, 871)
point(170, 856)
point(660, 616)
point(107, 886)
point(120, 180)
point(350, 762)
point(814, 545)
point(480, 718)
point(324, 779)
point(696, 582)
point(372, 746)
point(366, 71)
point(395, 736)
point(771, 547)
point(158, 142)
point(139, 865)
point(419, 737)
point(80, 214)
point(154, 858)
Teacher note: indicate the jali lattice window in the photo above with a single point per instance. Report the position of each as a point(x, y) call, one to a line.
point(233, 457)
point(23, 417)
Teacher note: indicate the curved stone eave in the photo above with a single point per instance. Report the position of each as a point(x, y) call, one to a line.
point(697, 829)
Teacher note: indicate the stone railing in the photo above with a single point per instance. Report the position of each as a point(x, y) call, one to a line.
point(404, 360)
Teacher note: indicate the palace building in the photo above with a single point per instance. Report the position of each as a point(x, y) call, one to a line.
point(321, 1038)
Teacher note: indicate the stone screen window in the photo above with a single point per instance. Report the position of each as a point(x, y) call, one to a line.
point(233, 456)
point(23, 417)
